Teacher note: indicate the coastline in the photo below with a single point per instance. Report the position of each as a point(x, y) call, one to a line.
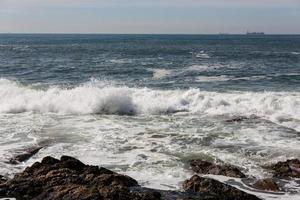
point(69, 178)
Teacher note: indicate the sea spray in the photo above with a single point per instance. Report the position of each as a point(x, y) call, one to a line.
point(95, 98)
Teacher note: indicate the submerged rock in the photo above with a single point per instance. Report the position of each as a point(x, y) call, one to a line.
point(205, 167)
point(216, 189)
point(289, 168)
point(28, 153)
point(266, 184)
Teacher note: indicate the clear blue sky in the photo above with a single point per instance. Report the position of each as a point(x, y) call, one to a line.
point(149, 16)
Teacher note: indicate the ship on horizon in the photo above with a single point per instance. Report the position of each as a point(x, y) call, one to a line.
point(255, 33)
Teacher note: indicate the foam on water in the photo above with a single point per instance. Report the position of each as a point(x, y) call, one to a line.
point(93, 98)
point(160, 73)
point(212, 78)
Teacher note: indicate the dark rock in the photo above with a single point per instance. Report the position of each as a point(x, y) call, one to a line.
point(241, 119)
point(237, 119)
point(216, 189)
point(2, 179)
point(48, 160)
point(28, 153)
point(205, 167)
point(266, 184)
point(289, 168)
point(69, 179)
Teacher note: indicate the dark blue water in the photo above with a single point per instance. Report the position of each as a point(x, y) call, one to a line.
point(209, 62)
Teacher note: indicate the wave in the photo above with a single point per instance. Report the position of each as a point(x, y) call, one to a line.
point(95, 97)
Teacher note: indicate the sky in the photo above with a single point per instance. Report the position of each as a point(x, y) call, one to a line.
point(150, 16)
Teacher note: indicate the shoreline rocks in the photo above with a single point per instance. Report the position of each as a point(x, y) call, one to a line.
point(267, 184)
point(286, 169)
point(70, 179)
point(205, 167)
point(214, 187)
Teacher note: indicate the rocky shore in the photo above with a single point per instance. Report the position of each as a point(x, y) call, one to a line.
point(70, 179)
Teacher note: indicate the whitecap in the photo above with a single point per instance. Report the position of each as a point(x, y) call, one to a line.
point(161, 73)
point(94, 98)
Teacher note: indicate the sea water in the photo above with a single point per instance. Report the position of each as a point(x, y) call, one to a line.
point(144, 105)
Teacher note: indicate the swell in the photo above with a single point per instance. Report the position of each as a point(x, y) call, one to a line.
point(95, 98)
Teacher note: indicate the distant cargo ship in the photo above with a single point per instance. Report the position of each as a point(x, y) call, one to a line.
point(255, 33)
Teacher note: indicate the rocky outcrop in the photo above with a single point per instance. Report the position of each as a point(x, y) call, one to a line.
point(287, 169)
point(268, 184)
point(205, 167)
point(68, 178)
point(215, 188)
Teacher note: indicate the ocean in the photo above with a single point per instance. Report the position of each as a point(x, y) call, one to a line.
point(143, 105)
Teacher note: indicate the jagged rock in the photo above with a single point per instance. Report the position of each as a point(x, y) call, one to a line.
point(266, 184)
point(289, 168)
point(70, 179)
point(217, 189)
point(205, 167)
point(28, 153)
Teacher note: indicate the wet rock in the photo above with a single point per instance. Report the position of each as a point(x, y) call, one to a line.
point(266, 184)
point(241, 119)
point(289, 168)
point(237, 119)
point(205, 167)
point(216, 189)
point(28, 153)
point(68, 178)
point(2, 179)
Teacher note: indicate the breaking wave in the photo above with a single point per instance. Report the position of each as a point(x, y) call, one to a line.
point(95, 98)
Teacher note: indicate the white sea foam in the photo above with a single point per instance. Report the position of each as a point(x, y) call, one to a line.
point(295, 53)
point(94, 98)
point(121, 61)
point(202, 54)
point(212, 78)
point(160, 73)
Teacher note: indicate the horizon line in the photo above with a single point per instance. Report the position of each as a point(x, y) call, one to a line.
point(94, 33)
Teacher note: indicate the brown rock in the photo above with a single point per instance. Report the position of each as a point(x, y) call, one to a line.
point(266, 184)
point(70, 179)
point(217, 189)
point(289, 168)
point(204, 167)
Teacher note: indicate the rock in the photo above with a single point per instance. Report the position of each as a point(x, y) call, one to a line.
point(2, 179)
point(29, 152)
point(215, 188)
point(237, 119)
point(266, 184)
point(205, 167)
point(289, 168)
point(68, 178)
